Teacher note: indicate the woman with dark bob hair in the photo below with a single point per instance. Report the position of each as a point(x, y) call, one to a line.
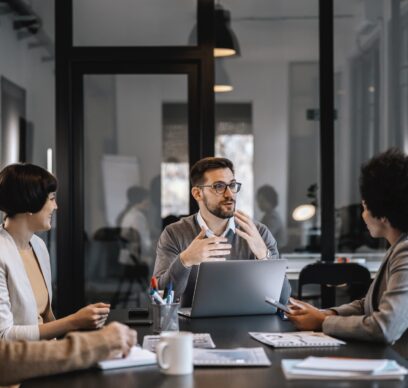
point(382, 315)
point(27, 197)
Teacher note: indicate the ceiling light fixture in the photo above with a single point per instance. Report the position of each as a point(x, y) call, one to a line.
point(222, 81)
point(304, 212)
point(226, 42)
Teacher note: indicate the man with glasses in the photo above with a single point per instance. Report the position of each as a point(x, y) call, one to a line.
point(217, 232)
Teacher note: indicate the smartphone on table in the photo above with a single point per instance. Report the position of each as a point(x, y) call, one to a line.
point(277, 304)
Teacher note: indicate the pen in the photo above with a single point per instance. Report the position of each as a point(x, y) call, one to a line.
point(154, 284)
point(168, 292)
point(157, 297)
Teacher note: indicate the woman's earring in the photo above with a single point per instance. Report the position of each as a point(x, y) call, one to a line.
point(30, 214)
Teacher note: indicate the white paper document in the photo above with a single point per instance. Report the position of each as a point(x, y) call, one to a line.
point(296, 339)
point(343, 364)
point(136, 357)
point(327, 368)
point(200, 340)
point(240, 357)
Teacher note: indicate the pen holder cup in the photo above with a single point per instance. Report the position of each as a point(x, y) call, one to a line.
point(165, 317)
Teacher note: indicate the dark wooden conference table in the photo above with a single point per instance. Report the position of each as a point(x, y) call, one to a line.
point(230, 332)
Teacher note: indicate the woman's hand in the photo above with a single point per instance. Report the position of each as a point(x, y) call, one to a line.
point(120, 338)
point(92, 316)
point(305, 316)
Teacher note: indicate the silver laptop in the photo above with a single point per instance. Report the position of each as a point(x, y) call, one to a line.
point(236, 287)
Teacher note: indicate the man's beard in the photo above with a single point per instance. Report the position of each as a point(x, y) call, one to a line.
point(218, 211)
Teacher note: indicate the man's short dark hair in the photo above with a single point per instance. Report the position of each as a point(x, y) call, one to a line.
point(384, 187)
point(24, 188)
point(203, 165)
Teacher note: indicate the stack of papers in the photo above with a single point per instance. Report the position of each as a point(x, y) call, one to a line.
point(136, 357)
point(331, 368)
point(200, 340)
point(298, 339)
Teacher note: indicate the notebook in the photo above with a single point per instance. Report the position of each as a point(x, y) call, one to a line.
point(136, 357)
point(240, 357)
point(236, 287)
point(300, 339)
point(200, 340)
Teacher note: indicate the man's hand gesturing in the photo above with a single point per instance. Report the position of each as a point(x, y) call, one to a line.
point(250, 233)
point(205, 249)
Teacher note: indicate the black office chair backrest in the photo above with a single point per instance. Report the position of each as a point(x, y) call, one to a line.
point(107, 233)
point(330, 275)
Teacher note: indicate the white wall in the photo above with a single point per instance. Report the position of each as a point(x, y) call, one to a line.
point(24, 67)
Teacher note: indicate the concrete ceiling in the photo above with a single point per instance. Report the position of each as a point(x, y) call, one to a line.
point(267, 30)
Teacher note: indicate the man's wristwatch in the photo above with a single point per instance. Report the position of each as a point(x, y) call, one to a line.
point(268, 255)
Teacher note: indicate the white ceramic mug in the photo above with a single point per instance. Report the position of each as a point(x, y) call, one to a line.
point(175, 352)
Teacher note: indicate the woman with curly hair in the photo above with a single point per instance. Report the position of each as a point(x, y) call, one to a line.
point(382, 315)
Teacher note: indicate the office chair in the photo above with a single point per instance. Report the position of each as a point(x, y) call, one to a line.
point(121, 262)
point(103, 249)
point(134, 271)
point(353, 233)
point(332, 275)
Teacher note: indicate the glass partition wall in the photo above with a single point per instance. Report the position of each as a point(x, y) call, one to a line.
point(370, 96)
point(267, 122)
point(124, 151)
point(135, 162)
point(137, 137)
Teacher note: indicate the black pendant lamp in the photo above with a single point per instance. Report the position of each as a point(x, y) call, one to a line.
point(222, 80)
point(226, 42)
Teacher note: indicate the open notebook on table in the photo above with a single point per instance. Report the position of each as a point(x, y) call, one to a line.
point(240, 357)
point(297, 339)
point(200, 340)
point(136, 357)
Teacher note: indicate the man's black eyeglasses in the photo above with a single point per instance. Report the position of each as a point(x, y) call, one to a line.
point(221, 187)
